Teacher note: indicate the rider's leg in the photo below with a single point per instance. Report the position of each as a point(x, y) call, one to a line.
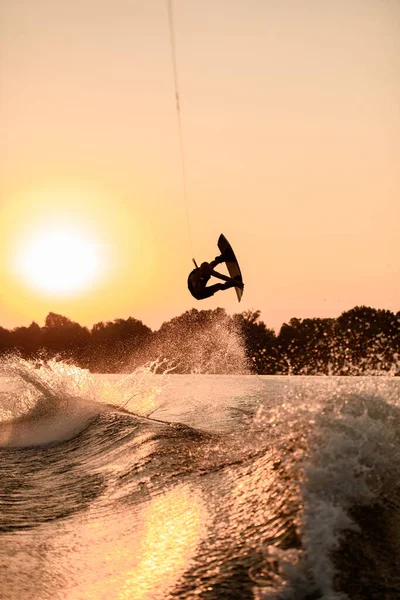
point(217, 287)
point(227, 279)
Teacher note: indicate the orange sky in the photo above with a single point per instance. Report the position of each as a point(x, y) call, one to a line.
point(291, 128)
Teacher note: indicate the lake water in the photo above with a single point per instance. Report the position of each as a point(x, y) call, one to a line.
point(197, 486)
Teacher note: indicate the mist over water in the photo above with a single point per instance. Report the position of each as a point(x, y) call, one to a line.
point(197, 486)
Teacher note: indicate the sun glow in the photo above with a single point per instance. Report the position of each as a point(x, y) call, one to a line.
point(62, 262)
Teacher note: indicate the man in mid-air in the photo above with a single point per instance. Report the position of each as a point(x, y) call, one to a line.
point(199, 277)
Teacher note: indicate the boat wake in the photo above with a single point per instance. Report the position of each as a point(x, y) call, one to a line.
point(279, 488)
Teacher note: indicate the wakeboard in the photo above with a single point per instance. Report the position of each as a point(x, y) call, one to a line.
point(231, 264)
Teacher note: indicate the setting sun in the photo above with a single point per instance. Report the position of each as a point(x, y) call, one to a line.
point(59, 262)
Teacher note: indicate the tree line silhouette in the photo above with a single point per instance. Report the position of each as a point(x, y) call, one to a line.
point(361, 340)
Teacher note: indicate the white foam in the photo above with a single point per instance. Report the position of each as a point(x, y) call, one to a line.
point(351, 455)
point(44, 403)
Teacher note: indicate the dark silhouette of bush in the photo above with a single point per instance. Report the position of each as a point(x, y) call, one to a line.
point(64, 338)
point(27, 341)
point(118, 346)
point(6, 344)
point(260, 342)
point(306, 346)
point(360, 340)
point(368, 339)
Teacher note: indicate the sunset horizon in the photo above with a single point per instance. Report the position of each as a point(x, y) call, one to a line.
point(290, 140)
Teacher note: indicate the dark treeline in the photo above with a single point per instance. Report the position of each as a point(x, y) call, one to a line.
point(361, 340)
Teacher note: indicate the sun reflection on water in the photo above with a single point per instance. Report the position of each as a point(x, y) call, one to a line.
point(173, 526)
